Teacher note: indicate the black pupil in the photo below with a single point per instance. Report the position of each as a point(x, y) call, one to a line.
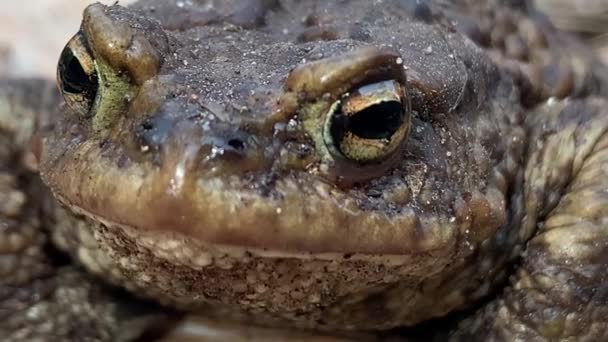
point(378, 121)
point(74, 79)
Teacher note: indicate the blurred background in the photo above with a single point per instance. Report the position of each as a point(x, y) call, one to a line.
point(33, 32)
point(589, 18)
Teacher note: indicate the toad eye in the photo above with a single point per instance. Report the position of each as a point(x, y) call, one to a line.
point(77, 76)
point(369, 124)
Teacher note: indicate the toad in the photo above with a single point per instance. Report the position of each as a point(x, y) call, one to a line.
point(344, 168)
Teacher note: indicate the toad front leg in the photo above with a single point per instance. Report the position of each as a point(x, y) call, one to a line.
point(41, 298)
point(560, 290)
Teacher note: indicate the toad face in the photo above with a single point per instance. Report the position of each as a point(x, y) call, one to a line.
point(330, 165)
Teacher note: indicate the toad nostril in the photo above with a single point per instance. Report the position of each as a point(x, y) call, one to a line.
point(236, 144)
point(154, 131)
point(229, 144)
point(147, 126)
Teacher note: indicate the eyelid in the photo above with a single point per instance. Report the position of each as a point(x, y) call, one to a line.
point(337, 75)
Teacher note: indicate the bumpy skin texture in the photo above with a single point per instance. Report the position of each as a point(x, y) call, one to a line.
point(41, 297)
point(198, 148)
point(559, 291)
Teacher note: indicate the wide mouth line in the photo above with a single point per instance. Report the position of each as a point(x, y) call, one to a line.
point(224, 249)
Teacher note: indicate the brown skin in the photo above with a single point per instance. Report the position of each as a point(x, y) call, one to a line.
point(234, 162)
point(42, 296)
